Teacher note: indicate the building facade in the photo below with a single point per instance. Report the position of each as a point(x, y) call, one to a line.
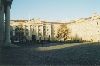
point(84, 28)
point(41, 30)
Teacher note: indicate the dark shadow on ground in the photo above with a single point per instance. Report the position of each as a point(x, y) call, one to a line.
point(44, 43)
point(86, 54)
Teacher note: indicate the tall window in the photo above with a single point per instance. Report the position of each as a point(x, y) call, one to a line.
point(97, 23)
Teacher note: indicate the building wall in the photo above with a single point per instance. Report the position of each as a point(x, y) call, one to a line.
point(84, 28)
point(87, 28)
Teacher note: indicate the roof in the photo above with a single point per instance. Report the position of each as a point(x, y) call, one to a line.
point(19, 20)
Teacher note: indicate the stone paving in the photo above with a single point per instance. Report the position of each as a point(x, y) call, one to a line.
point(83, 54)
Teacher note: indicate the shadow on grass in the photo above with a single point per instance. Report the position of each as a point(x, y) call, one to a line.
point(83, 54)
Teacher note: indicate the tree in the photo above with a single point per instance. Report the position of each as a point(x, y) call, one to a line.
point(19, 33)
point(63, 32)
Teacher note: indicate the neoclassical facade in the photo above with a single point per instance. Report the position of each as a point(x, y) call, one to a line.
point(5, 6)
point(84, 28)
point(40, 29)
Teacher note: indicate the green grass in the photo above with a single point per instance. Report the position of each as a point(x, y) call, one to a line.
point(65, 54)
point(72, 54)
point(59, 46)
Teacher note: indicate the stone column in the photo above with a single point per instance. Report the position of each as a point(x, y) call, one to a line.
point(7, 24)
point(30, 32)
point(1, 23)
point(14, 31)
point(37, 28)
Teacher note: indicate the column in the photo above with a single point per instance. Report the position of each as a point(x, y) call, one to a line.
point(14, 31)
point(7, 24)
point(30, 32)
point(37, 32)
point(1, 23)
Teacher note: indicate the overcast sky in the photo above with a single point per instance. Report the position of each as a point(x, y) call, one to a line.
point(53, 9)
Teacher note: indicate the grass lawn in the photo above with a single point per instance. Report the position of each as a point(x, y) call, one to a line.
point(65, 54)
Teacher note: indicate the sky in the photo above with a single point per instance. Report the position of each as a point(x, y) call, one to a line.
point(54, 9)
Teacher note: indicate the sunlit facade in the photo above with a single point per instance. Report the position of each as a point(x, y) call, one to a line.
point(42, 30)
point(84, 28)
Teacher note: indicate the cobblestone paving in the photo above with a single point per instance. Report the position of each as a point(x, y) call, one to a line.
point(84, 54)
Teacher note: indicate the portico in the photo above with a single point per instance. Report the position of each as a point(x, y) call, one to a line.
point(5, 6)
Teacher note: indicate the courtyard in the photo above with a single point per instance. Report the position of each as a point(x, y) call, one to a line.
point(52, 54)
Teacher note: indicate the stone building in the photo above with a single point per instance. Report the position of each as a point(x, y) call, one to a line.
point(42, 30)
point(84, 28)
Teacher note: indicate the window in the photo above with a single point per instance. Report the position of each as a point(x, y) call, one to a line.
point(47, 29)
point(44, 29)
point(97, 23)
point(33, 29)
point(39, 34)
point(39, 29)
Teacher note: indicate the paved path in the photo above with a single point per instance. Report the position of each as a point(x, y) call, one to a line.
point(66, 54)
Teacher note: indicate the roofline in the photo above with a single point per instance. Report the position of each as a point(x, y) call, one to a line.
point(19, 20)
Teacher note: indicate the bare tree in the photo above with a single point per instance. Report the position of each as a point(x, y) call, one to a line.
point(63, 32)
